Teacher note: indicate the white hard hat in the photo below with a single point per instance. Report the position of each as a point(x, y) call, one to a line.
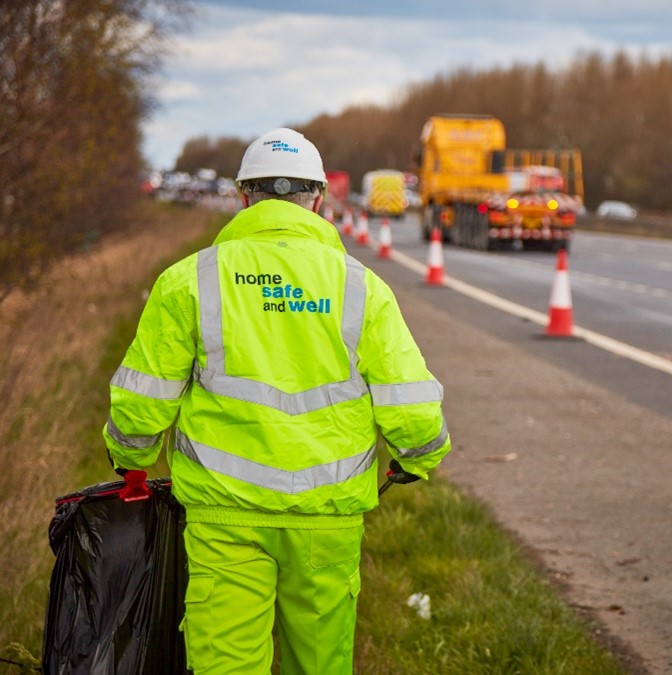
point(282, 153)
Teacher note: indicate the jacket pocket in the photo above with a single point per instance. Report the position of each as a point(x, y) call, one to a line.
point(197, 622)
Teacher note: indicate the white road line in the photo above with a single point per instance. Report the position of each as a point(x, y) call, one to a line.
point(598, 340)
point(598, 280)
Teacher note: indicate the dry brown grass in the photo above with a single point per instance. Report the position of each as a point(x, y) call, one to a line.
point(50, 343)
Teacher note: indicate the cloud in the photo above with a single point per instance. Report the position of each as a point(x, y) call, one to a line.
point(242, 71)
point(180, 91)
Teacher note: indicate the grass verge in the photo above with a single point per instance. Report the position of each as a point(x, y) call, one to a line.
point(36, 459)
point(491, 610)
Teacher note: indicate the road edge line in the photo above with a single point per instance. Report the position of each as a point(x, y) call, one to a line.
point(596, 339)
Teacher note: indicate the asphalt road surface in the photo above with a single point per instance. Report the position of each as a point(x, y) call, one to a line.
point(567, 441)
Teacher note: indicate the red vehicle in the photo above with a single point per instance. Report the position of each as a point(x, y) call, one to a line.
point(338, 192)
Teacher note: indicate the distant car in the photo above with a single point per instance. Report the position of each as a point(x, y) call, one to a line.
point(615, 209)
point(413, 198)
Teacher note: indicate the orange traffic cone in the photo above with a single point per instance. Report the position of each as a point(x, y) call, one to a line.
point(385, 239)
point(362, 229)
point(347, 223)
point(329, 214)
point(435, 258)
point(560, 321)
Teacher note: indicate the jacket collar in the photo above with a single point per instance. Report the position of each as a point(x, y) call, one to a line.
point(272, 215)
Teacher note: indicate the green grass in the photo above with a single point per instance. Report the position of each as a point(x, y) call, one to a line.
point(492, 611)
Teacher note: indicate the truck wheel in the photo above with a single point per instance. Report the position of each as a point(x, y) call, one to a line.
point(468, 226)
point(472, 228)
point(482, 232)
point(457, 231)
point(427, 223)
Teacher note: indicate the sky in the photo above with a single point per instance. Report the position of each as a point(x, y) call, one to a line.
point(243, 68)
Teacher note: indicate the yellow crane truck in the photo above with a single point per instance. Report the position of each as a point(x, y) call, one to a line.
point(481, 195)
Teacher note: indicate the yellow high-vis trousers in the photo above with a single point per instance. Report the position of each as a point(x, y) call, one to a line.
point(238, 576)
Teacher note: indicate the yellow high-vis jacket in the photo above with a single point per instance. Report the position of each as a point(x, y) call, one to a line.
point(276, 359)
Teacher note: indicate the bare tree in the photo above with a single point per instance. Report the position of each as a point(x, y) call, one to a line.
point(72, 96)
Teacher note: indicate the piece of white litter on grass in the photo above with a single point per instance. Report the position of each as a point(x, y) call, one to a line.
point(421, 603)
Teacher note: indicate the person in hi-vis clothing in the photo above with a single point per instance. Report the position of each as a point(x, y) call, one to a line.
point(277, 360)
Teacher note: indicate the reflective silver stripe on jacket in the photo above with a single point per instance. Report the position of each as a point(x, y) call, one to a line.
point(148, 385)
point(429, 391)
point(214, 379)
point(210, 305)
point(273, 478)
point(428, 447)
point(135, 442)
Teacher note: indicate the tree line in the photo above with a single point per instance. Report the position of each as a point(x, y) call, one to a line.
point(615, 110)
point(73, 93)
point(75, 89)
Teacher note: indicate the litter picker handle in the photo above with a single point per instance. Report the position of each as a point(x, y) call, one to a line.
point(384, 487)
point(388, 483)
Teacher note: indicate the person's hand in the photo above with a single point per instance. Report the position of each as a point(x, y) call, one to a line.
point(119, 470)
point(397, 475)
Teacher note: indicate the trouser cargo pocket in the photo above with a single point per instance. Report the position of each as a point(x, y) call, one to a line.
point(197, 622)
point(355, 582)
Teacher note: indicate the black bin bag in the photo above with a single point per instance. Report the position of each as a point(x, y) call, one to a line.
point(116, 595)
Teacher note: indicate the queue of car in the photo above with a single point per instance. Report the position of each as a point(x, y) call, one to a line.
point(204, 188)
